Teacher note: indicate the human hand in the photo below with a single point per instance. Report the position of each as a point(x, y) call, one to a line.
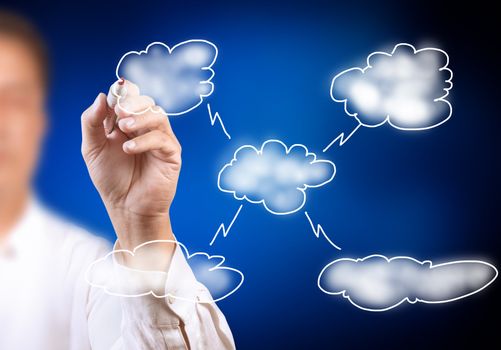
point(135, 167)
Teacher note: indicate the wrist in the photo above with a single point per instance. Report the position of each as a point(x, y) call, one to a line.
point(133, 229)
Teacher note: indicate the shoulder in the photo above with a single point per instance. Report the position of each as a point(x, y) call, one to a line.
point(69, 239)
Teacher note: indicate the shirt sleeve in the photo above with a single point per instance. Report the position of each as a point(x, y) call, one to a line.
point(186, 318)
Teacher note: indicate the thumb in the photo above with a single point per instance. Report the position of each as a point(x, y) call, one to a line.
point(93, 132)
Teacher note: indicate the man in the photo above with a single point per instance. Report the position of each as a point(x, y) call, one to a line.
point(45, 302)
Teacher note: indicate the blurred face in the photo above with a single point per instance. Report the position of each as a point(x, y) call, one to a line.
point(22, 115)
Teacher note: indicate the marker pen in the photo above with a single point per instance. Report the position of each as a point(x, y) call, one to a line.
point(117, 90)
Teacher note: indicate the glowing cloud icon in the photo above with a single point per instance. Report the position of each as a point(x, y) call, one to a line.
point(406, 88)
point(215, 281)
point(177, 78)
point(376, 283)
point(274, 175)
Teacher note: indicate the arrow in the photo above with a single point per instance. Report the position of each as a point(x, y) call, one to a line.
point(225, 230)
point(341, 139)
point(319, 230)
point(217, 117)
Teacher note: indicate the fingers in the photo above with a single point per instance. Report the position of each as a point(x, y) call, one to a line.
point(93, 133)
point(125, 99)
point(131, 105)
point(120, 89)
point(142, 121)
point(139, 124)
point(166, 145)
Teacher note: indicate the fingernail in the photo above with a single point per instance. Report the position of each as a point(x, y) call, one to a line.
point(127, 122)
point(130, 145)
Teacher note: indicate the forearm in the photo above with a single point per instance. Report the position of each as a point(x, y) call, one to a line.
point(135, 168)
point(151, 323)
point(134, 230)
point(186, 318)
point(182, 314)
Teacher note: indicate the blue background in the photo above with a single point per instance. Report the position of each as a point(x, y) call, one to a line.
point(430, 195)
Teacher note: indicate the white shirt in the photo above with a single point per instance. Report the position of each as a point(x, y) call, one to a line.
point(46, 304)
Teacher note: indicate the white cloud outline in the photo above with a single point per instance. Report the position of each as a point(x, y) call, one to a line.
point(406, 299)
point(170, 50)
point(168, 295)
point(387, 118)
point(287, 151)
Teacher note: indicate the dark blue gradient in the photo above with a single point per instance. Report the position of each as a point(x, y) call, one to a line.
point(430, 195)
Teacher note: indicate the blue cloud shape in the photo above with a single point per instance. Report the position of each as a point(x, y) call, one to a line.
point(215, 280)
point(406, 88)
point(274, 175)
point(177, 78)
point(377, 283)
point(221, 281)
